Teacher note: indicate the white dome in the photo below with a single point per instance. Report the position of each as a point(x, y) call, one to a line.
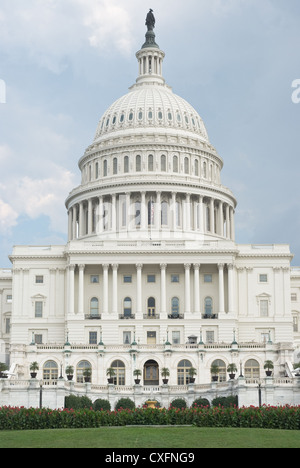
point(151, 105)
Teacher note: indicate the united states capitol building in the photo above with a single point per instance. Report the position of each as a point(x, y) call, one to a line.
point(151, 276)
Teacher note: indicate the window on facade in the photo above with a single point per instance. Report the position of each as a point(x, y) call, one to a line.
point(263, 278)
point(295, 324)
point(207, 278)
point(140, 116)
point(38, 338)
point(38, 309)
point(94, 307)
point(137, 213)
point(183, 368)
point(93, 337)
point(94, 278)
point(96, 170)
point(175, 163)
point(105, 168)
point(178, 214)
point(252, 369)
point(7, 325)
point(39, 279)
point(151, 307)
point(174, 278)
point(151, 337)
point(9, 298)
point(50, 370)
point(151, 211)
point(164, 213)
point(186, 166)
point(138, 163)
point(294, 297)
point(163, 163)
point(264, 308)
point(119, 368)
point(130, 117)
point(160, 115)
point(126, 164)
point(127, 309)
point(126, 337)
point(81, 367)
point(151, 278)
point(127, 279)
point(208, 305)
point(115, 166)
point(176, 337)
point(122, 117)
point(205, 170)
point(207, 218)
point(150, 162)
point(196, 167)
point(210, 336)
point(175, 306)
point(222, 369)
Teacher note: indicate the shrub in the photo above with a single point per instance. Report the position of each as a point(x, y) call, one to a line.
point(101, 405)
point(226, 402)
point(125, 403)
point(201, 402)
point(76, 402)
point(179, 403)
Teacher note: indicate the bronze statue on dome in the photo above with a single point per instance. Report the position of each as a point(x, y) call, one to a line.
point(150, 20)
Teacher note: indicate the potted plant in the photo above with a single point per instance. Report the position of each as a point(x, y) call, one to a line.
point(165, 373)
point(87, 374)
point(137, 373)
point(215, 372)
point(269, 366)
point(34, 367)
point(3, 368)
point(110, 373)
point(232, 369)
point(192, 373)
point(70, 372)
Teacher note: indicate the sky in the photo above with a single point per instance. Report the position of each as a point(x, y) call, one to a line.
point(64, 62)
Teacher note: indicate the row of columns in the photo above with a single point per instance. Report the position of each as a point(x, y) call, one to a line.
point(139, 290)
point(120, 212)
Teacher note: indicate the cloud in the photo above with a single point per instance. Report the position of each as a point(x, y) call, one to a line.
point(8, 217)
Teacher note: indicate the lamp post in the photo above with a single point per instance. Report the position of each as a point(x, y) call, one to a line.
point(41, 394)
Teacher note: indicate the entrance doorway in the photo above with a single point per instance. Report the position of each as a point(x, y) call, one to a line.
point(151, 373)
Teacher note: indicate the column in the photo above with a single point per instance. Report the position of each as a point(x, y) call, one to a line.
point(115, 267)
point(197, 289)
point(128, 211)
point(230, 288)
point(105, 288)
point(212, 216)
point(163, 293)
point(81, 220)
point(81, 290)
point(139, 294)
point(158, 211)
point(100, 216)
point(221, 219)
point(173, 211)
point(201, 214)
point(187, 209)
point(74, 222)
point(90, 216)
point(221, 287)
point(143, 212)
point(114, 212)
point(70, 227)
point(232, 228)
point(71, 270)
point(187, 268)
point(227, 222)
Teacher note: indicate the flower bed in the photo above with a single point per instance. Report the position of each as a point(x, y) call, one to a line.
point(285, 417)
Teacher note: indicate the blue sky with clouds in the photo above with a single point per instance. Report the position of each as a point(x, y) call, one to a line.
point(65, 61)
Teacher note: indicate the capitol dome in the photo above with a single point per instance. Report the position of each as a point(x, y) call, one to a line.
point(151, 171)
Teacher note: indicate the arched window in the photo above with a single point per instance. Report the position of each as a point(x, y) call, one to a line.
point(196, 167)
point(115, 166)
point(150, 162)
point(138, 163)
point(183, 377)
point(208, 306)
point(81, 367)
point(94, 307)
point(205, 170)
point(252, 369)
point(207, 218)
point(50, 371)
point(119, 368)
point(163, 163)
point(186, 166)
point(138, 213)
point(175, 307)
point(127, 309)
point(151, 307)
point(96, 170)
point(126, 164)
point(175, 163)
point(151, 208)
point(104, 168)
point(222, 369)
point(164, 213)
point(178, 214)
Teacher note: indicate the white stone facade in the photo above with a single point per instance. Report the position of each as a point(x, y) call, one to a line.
point(151, 276)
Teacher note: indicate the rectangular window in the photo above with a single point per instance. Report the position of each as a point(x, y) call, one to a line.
point(7, 326)
point(93, 338)
point(294, 297)
point(207, 278)
point(127, 279)
point(151, 337)
point(264, 308)
point(39, 279)
point(94, 278)
point(151, 278)
point(38, 339)
point(295, 324)
point(263, 278)
point(38, 309)
point(9, 298)
point(127, 337)
point(174, 278)
point(210, 337)
point(176, 337)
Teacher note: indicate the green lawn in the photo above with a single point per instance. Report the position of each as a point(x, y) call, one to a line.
point(151, 437)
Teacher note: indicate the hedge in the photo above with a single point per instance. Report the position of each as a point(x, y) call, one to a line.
point(285, 417)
